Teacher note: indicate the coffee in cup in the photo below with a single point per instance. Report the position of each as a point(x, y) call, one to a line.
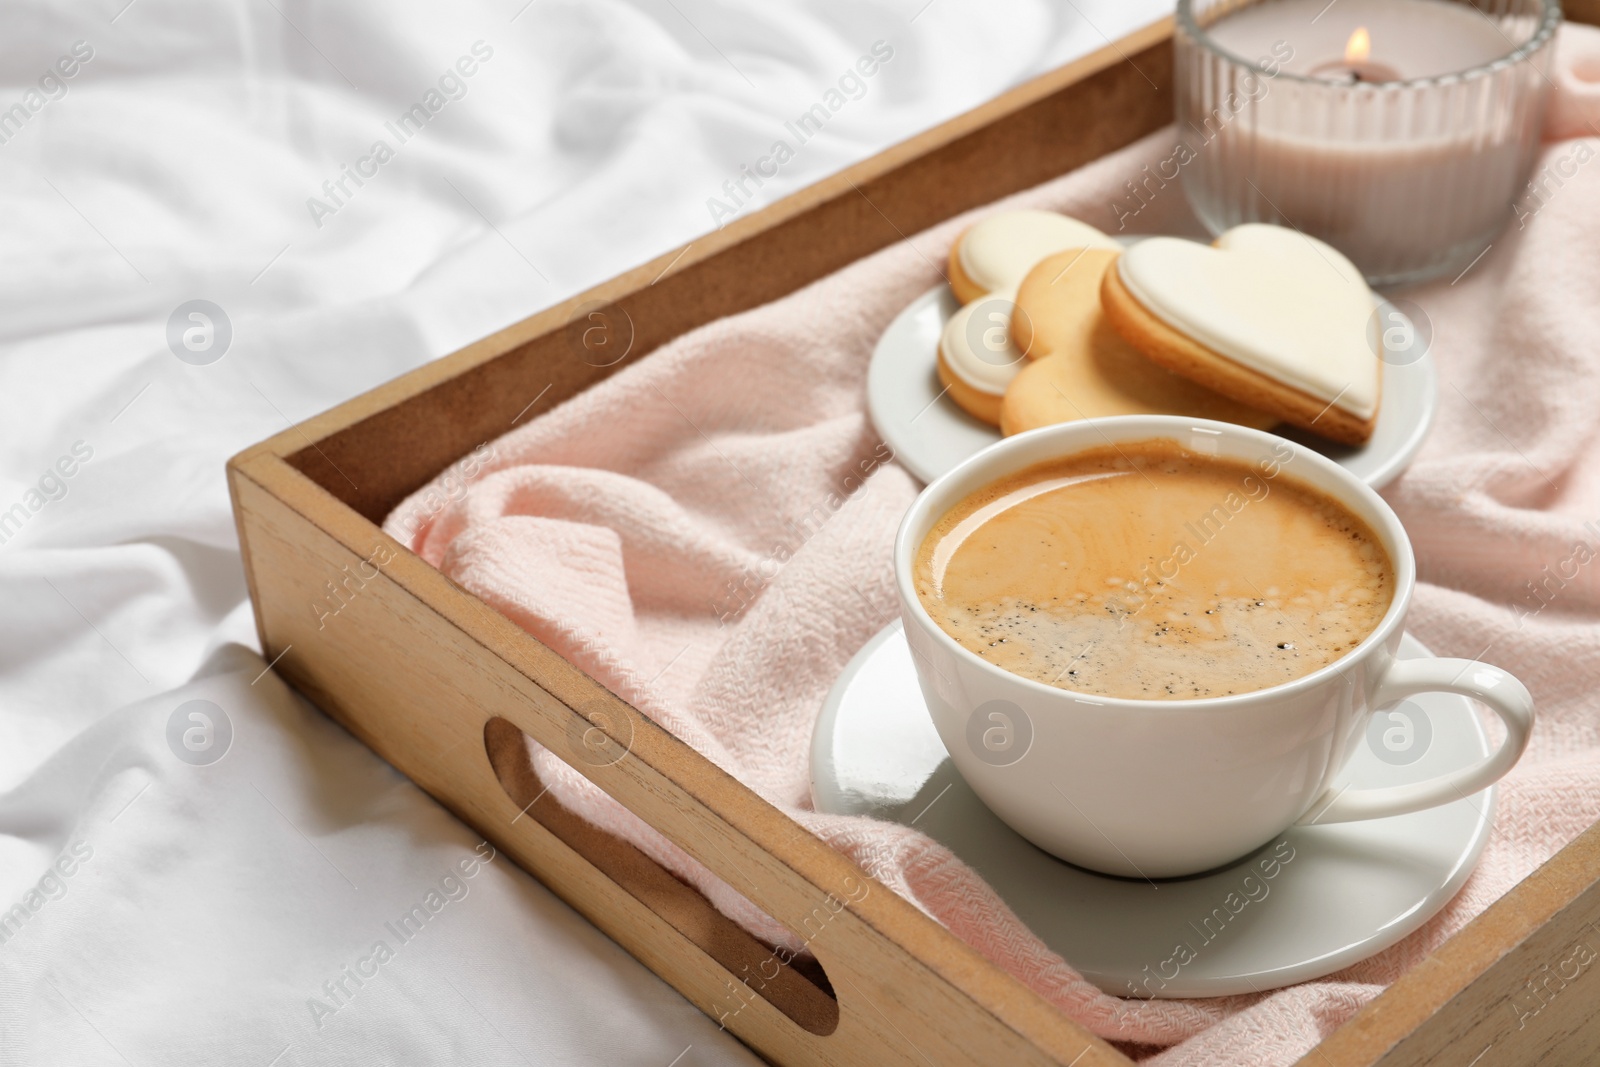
point(1149, 572)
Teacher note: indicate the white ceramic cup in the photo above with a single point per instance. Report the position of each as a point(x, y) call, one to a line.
point(1162, 788)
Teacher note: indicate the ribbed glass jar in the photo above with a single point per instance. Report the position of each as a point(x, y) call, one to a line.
point(1412, 178)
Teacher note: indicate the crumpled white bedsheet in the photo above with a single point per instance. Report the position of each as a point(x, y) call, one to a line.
point(153, 911)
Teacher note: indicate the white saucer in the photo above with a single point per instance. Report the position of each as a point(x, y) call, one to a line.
point(930, 434)
point(1349, 890)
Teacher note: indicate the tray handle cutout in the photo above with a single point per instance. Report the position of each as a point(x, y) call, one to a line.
point(797, 987)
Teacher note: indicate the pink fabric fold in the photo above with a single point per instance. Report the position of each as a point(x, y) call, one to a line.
point(708, 534)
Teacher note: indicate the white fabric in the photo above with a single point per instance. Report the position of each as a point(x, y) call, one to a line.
point(207, 905)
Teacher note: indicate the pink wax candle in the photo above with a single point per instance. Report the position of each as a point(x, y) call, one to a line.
point(1411, 38)
point(1399, 131)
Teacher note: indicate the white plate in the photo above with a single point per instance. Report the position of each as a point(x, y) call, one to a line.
point(1349, 890)
point(930, 434)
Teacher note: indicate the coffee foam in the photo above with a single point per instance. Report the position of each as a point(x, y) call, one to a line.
point(1148, 572)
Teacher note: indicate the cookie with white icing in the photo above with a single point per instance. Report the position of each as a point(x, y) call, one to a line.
point(977, 358)
point(997, 253)
point(1083, 369)
point(1274, 319)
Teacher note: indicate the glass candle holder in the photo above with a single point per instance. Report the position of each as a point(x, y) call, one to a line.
point(1399, 131)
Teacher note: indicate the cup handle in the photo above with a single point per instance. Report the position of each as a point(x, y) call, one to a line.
point(1508, 698)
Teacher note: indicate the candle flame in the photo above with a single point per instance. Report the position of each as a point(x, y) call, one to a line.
point(1359, 47)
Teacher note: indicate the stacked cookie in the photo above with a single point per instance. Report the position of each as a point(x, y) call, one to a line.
point(1060, 322)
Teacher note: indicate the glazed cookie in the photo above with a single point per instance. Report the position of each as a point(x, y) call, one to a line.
point(1084, 369)
point(996, 253)
point(976, 357)
point(1266, 315)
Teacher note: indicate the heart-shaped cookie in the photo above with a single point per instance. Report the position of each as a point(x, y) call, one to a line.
point(996, 254)
point(1266, 315)
point(977, 358)
point(1081, 368)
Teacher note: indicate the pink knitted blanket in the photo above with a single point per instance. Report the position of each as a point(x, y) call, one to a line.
point(665, 532)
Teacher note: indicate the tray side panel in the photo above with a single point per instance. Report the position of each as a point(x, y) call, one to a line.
point(376, 449)
point(420, 690)
point(1519, 985)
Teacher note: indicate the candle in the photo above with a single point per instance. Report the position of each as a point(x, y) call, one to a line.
point(1410, 38)
point(1389, 128)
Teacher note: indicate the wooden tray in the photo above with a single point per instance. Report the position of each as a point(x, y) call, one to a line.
point(439, 684)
